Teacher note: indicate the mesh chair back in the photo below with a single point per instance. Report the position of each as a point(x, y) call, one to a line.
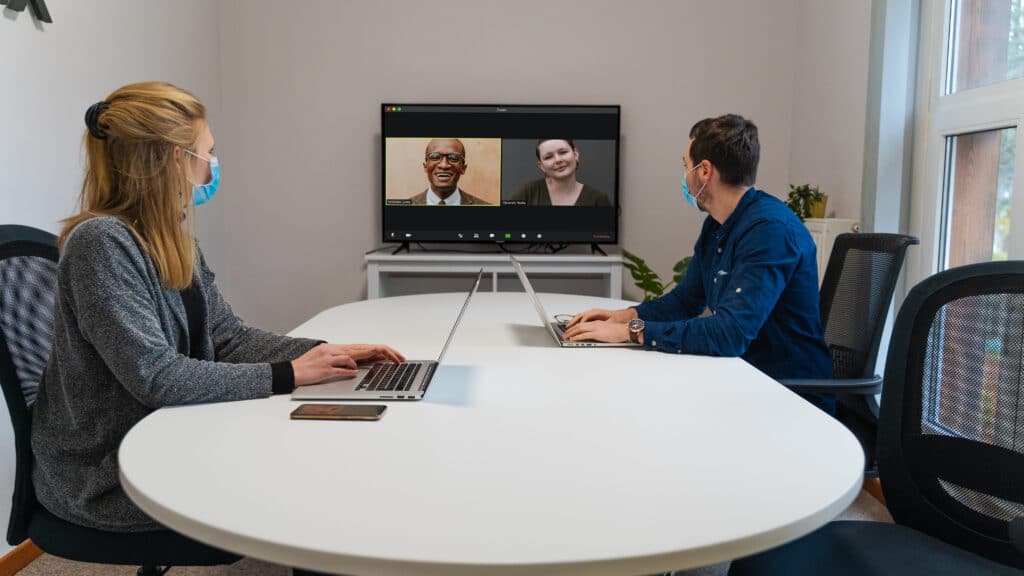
point(28, 279)
point(951, 428)
point(855, 296)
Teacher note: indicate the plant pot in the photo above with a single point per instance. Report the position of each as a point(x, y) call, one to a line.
point(817, 208)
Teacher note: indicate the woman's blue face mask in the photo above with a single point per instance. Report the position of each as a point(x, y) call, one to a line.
point(201, 193)
point(691, 199)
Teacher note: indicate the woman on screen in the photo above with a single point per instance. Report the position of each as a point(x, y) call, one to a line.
point(559, 160)
point(139, 323)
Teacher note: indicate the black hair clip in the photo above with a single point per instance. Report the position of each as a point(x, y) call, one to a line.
point(92, 120)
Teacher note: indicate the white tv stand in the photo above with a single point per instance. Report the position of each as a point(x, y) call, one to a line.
point(381, 265)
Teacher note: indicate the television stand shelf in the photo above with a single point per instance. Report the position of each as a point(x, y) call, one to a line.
point(382, 267)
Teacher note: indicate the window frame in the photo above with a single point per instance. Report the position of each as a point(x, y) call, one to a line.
point(938, 116)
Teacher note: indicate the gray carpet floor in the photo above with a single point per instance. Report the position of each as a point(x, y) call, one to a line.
point(865, 507)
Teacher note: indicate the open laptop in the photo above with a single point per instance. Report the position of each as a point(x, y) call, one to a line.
point(387, 380)
point(556, 329)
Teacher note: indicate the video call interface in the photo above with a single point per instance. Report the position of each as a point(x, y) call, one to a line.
point(489, 173)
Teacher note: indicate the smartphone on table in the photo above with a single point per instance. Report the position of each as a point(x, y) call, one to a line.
point(338, 412)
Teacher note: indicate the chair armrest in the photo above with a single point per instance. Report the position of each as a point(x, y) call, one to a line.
point(1017, 534)
point(860, 386)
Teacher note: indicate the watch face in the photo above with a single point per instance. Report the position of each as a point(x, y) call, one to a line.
point(636, 325)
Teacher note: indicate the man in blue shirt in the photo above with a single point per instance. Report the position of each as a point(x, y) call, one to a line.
point(752, 287)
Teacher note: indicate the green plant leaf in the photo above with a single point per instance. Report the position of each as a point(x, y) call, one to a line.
point(647, 279)
point(633, 258)
point(680, 269)
point(801, 197)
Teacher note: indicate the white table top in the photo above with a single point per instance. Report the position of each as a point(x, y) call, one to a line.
point(523, 458)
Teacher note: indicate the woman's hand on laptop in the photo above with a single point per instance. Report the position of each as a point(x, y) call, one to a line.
point(598, 331)
point(366, 353)
point(618, 316)
point(323, 363)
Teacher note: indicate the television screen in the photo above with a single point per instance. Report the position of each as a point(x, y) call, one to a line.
point(491, 173)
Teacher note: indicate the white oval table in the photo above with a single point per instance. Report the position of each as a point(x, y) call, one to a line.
point(523, 458)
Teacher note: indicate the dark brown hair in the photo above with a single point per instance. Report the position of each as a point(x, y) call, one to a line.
point(730, 143)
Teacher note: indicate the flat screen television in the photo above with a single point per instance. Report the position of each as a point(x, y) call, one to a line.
point(488, 173)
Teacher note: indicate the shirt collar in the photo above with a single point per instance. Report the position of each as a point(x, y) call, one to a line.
point(454, 200)
point(737, 213)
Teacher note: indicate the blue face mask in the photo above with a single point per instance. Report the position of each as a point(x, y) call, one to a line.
point(201, 193)
point(691, 199)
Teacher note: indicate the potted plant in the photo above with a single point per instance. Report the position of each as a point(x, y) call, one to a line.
point(647, 279)
point(807, 201)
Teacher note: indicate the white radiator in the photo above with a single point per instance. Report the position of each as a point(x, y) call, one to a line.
point(824, 232)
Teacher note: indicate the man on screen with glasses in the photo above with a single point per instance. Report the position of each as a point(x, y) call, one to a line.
point(444, 163)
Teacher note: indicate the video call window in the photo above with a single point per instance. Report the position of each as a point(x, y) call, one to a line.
point(531, 164)
point(544, 173)
point(421, 166)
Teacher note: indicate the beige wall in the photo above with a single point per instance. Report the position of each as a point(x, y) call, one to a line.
point(302, 83)
point(300, 137)
point(299, 134)
point(52, 73)
point(830, 100)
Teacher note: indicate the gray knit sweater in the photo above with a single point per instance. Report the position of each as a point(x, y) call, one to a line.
point(120, 351)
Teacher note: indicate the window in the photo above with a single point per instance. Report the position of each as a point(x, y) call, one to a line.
point(977, 192)
point(966, 200)
point(968, 115)
point(984, 42)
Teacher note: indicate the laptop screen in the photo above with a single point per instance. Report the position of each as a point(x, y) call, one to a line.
point(544, 318)
point(451, 335)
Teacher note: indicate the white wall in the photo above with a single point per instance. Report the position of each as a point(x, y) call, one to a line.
point(301, 84)
point(302, 90)
point(829, 100)
point(50, 74)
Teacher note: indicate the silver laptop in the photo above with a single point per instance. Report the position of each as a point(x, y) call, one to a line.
point(387, 380)
point(555, 328)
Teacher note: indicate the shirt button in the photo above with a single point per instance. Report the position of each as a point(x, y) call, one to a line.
point(719, 249)
point(654, 343)
point(738, 290)
point(716, 280)
point(679, 351)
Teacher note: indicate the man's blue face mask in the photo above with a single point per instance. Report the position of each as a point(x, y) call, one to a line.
point(201, 193)
point(691, 199)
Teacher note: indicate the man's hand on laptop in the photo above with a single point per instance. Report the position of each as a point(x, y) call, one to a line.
point(598, 331)
point(618, 316)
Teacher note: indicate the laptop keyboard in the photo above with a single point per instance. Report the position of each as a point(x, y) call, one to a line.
point(387, 377)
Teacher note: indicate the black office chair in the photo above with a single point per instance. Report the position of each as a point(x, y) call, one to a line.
point(856, 293)
point(28, 276)
point(950, 440)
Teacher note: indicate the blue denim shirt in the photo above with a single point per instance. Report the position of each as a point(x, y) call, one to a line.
point(757, 274)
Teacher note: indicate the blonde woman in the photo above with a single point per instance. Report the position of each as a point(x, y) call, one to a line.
point(139, 322)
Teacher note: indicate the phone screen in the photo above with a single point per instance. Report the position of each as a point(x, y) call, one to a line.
point(338, 412)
